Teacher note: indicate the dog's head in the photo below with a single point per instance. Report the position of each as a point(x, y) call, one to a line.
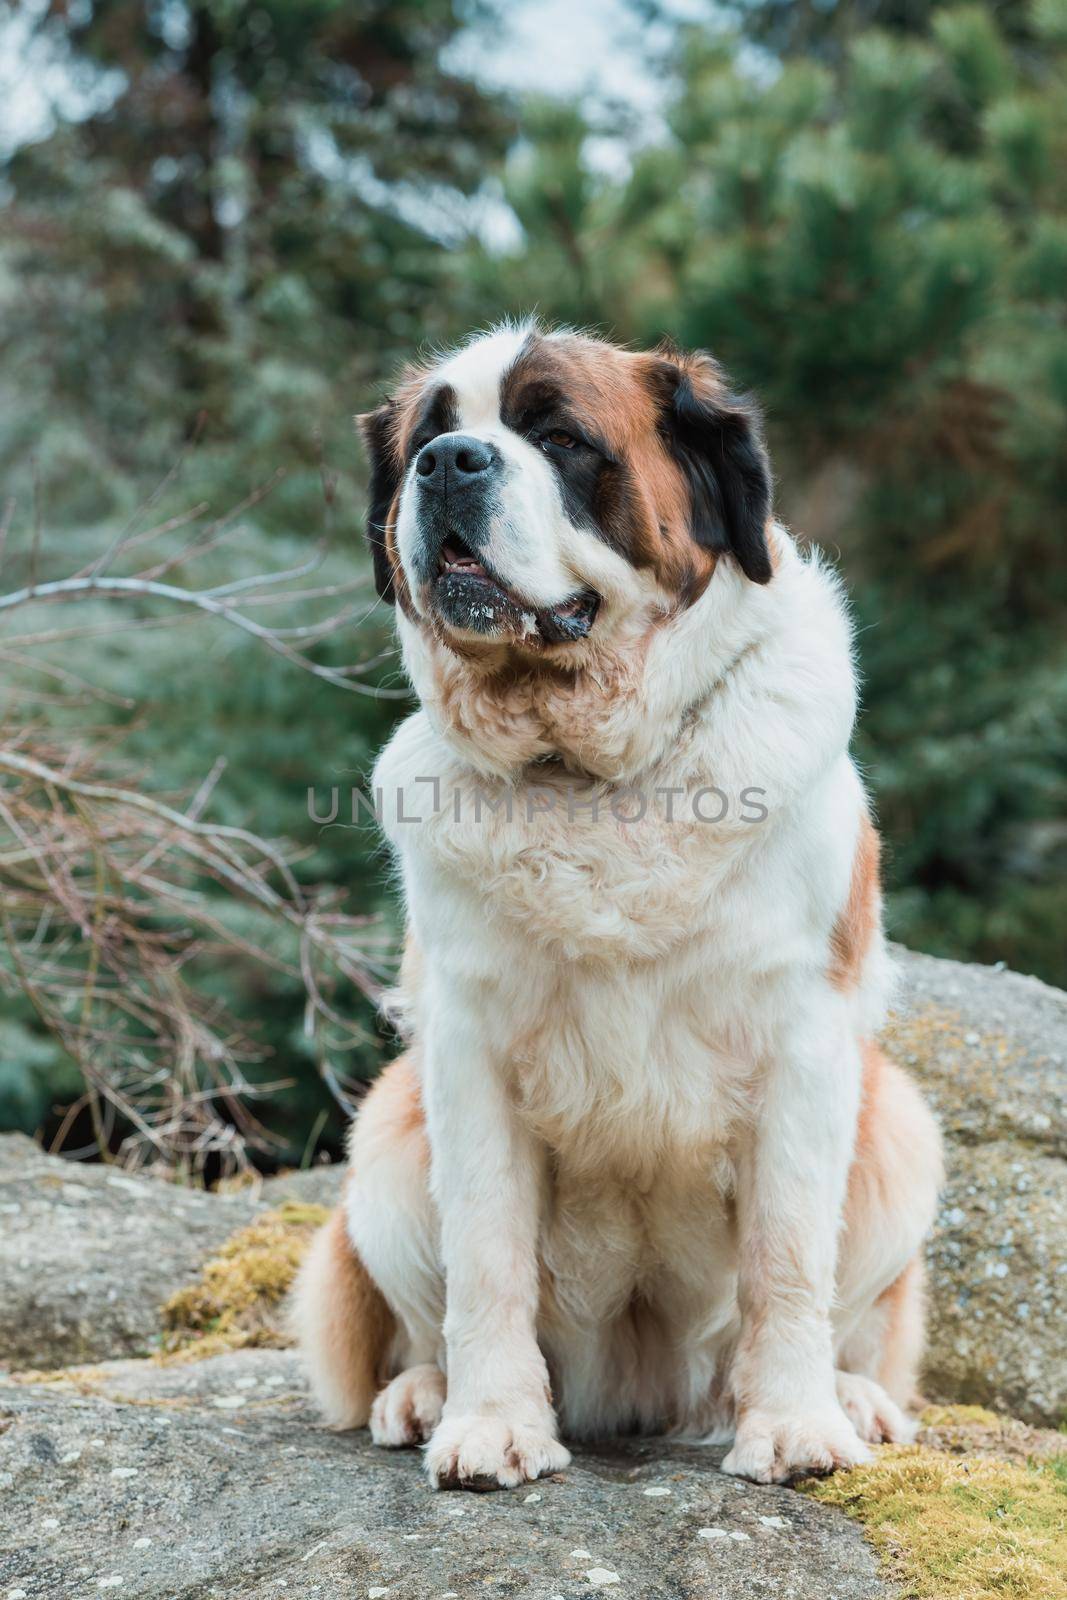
point(538, 490)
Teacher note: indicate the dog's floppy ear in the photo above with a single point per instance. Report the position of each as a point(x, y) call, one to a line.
point(378, 431)
point(716, 437)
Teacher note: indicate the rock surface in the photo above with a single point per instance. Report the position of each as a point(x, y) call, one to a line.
point(88, 1254)
point(212, 1479)
point(990, 1050)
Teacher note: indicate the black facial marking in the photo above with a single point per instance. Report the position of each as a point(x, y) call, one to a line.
point(583, 473)
point(535, 405)
point(378, 430)
point(717, 439)
point(466, 507)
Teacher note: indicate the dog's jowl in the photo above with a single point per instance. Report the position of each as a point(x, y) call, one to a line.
point(641, 1164)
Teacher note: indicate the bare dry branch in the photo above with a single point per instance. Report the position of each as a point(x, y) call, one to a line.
point(115, 903)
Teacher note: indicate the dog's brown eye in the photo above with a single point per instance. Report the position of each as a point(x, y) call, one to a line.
point(564, 441)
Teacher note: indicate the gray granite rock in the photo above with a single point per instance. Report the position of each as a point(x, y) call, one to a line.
point(212, 1479)
point(317, 1186)
point(88, 1254)
point(990, 1050)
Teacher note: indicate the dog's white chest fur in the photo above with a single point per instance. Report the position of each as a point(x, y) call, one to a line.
point(630, 976)
point(564, 863)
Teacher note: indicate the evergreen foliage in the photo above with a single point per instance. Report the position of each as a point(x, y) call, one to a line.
point(258, 210)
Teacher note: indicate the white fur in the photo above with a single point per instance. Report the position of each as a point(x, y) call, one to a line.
point(640, 1084)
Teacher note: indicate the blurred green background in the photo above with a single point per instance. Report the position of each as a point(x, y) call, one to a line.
point(223, 225)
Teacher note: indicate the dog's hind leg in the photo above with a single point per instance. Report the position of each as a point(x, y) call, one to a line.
point(369, 1302)
point(409, 1408)
point(878, 1363)
point(892, 1195)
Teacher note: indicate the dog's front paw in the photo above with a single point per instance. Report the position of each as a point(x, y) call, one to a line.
point(486, 1453)
point(773, 1449)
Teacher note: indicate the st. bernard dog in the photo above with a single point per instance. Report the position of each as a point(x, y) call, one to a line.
point(641, 1165)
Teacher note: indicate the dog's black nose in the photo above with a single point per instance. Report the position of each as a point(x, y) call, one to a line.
point(454, 460)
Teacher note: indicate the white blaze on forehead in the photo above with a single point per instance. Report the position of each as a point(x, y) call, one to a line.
point(474, 374)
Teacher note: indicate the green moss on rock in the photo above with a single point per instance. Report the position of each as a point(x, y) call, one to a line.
point(953, 1526)
point(237, 1301)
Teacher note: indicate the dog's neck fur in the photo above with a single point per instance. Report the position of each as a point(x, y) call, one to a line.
point(619, 713)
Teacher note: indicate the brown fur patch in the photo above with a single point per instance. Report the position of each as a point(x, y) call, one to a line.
point(896, 1162)
point(875, 1065)
point(397, 1100)
point(341, 1317)
point(856, 925)
point(643, 505)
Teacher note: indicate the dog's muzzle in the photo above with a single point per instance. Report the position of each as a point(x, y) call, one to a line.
point(458, 480)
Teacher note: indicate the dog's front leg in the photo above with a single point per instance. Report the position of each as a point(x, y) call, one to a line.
point(791, 1187)
point(498, 1426)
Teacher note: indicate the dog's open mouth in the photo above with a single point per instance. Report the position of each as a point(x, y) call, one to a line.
point(470, 596)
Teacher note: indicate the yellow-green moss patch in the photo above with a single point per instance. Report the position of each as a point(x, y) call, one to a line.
point(241, 1289)
point(960, 1528)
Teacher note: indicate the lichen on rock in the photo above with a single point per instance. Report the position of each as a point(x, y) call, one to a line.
point(988, 1048)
